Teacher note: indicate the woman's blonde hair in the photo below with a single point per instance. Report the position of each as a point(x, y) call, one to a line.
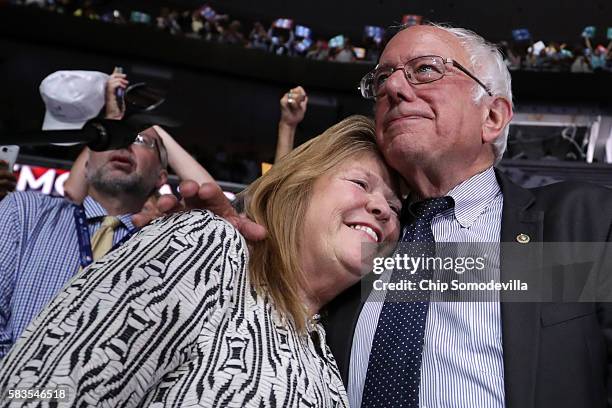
point(279, 199)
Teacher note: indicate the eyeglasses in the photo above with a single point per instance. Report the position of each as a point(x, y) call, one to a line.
point(145, 141)
point(419, 70)
point(152, 143)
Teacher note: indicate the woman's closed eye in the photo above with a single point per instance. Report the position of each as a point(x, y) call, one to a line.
point(361, 183)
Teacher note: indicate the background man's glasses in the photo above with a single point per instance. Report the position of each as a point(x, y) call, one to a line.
point(145, 141)
point(153, 144)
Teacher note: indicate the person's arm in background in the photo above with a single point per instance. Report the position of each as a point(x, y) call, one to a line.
point(186, 168)
point(181, 162)
point(112, 108)
point(8, 181)
point(198, 190)
point(293, 108)
point(75, 186)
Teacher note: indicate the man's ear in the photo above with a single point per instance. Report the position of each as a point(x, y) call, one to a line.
point(499, 113)
point(162, 179)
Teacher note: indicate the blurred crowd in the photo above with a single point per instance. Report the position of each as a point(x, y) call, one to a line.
point(281, 37)
point(583, 56)
point(285, 36)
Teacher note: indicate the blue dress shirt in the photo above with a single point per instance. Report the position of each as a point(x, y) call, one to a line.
point(39, 253)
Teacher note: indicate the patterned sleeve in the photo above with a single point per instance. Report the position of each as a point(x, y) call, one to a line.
point(120, 325)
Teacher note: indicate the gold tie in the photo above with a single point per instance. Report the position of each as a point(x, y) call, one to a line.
point(102, 241)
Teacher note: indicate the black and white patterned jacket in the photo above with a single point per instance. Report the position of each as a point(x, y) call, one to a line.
point(170, 319)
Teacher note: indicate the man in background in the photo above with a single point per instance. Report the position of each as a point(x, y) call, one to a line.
point(45, 240)
point(443, 104)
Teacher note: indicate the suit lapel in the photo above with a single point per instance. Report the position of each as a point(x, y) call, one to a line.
point(520, 321)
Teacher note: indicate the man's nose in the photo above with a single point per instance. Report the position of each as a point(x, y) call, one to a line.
point(398, 88)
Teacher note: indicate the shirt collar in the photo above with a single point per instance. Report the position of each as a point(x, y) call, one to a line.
point(94, 210)
point(473, 196)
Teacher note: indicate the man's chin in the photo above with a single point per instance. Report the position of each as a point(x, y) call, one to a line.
point(407, 127)
point(398, 158)
point(118, 185)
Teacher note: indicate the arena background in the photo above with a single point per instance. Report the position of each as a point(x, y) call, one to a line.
point(226, 96)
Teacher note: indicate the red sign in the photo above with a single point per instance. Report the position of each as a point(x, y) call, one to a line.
point(51, 181)
point(43, 179)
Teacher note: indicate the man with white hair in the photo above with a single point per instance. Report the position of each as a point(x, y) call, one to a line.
point(443, 103)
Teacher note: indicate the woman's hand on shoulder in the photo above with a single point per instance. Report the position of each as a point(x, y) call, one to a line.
point(207, 196)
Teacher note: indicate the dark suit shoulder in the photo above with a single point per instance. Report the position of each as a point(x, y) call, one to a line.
point(574, 190)
point(572, 194)
point(585, 209)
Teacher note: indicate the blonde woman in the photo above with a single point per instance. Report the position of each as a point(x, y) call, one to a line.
point(187, 314)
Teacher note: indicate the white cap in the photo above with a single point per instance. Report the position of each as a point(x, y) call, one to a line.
point(72, 98)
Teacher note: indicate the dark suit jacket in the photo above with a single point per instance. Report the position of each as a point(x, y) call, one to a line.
point(555, 354)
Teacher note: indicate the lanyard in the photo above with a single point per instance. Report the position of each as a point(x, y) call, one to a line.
point(85, 251)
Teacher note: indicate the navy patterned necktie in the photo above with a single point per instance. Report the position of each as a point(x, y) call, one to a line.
point(394, 369)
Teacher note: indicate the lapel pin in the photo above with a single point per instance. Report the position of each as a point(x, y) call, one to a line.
point(523, 238)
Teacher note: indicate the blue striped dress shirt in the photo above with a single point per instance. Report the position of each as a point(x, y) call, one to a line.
point(462, 363)
point(39, 253)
